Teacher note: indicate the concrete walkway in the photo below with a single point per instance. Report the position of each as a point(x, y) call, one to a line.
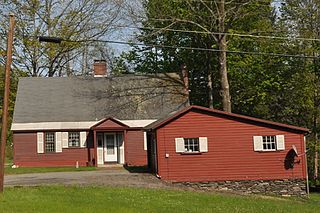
point(110, 177)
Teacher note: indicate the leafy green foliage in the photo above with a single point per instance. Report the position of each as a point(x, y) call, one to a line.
point(283, 89)
point(13, 91)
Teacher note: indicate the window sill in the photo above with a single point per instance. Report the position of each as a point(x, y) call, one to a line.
point(190, 153)
point(275, 150)
point(75, 147)
point(48, 153)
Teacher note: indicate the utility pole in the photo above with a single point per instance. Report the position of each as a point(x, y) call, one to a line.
point(6, 99)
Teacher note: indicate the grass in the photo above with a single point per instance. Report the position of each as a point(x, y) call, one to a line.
point(25, 170)
point(107, 199)
point(8, 161)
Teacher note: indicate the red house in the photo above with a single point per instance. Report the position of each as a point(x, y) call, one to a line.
point(145, 119)
point(216, 149)
point(68, 121)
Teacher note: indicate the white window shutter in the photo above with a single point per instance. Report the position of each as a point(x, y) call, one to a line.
point(280, 142)
point(83, 139)
point(257, 143)
point(65, 139)
point(58, 142)
point(40, 143)
point(145, 141)
point(203, 144)
point(180, 145)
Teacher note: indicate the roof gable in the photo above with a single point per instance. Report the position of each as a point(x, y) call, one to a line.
point(109, 123)
point(161, 122)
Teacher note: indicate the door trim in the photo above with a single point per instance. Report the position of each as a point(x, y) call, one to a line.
point(114, 157)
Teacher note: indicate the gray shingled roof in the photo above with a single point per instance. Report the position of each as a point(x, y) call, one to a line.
point(63, 99)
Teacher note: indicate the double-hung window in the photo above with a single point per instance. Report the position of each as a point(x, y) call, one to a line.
point(191, 144)
point(50, 142)
point(269, 143)
point(74, 139)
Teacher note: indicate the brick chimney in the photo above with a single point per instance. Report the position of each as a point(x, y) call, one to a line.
point(100, 68)
point(185, 77)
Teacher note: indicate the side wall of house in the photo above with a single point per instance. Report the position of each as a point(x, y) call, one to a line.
point(25, 153)
point(230, 155)
point(135, 155)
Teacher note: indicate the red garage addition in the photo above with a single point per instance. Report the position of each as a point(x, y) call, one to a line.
point(198, 144)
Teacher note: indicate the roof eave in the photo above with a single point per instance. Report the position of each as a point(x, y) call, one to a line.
point(156, 125)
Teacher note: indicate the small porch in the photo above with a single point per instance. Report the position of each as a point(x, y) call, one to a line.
point(109, 142)
point(110, 148)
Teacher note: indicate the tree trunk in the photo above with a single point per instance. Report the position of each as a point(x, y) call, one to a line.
point(85, 60)
point(209, 85)
point(68, 68)
point(316, 157)
point(315, 118)
point(225, 93)
point(222, 58)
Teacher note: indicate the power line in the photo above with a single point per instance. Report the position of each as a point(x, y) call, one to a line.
point(217, 33)
point(198, 49)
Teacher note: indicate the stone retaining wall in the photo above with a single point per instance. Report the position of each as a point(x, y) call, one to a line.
point(285, 187)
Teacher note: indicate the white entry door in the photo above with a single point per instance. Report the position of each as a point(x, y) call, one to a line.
point(110, 147)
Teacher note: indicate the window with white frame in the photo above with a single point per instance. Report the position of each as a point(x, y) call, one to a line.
point(191, 144)
point(74, 139)
point(50, 142)
point(269, 142)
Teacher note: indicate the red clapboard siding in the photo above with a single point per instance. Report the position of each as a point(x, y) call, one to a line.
point(230, 153)
point(135, 154)
point(25, 148)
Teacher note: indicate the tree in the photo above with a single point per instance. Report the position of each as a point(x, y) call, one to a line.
point(74, 20)
point(15, 74)
point(302, 19)
point(209, 22)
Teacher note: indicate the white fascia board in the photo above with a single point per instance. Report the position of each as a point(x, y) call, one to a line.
point(52, 125)
point(72, 125)
point(137, 123)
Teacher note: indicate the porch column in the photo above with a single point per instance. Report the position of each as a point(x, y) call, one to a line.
point(125, 146)
point(95, 148)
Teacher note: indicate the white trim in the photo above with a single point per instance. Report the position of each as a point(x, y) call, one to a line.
point(99, 76)
point(179, 145)
point(280, 142)
point(137, 123)
point(257, 143)
point(121, 148)
point(203, 144)
point(65, 139)
point(73, 125)
point(53, 125)
point(58, 142)
point(145, 141)
point(83, 139)
point(40, 142)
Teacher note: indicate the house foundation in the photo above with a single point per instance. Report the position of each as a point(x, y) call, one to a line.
point(286, 187)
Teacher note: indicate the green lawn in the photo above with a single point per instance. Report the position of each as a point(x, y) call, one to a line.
point(25, 170)
point(8, 161)
point(106, 199)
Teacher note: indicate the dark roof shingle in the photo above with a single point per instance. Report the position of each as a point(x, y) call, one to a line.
point(128, 97)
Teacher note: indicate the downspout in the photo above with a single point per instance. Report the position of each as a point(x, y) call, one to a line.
point(156, 153)
point(305, 157)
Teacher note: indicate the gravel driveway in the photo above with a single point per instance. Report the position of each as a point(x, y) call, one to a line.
point(111, 177)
